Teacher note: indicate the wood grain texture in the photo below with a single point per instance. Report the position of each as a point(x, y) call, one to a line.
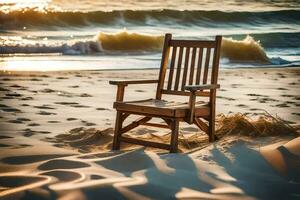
point(172, 66)
point(163, 65)
point(186, 67)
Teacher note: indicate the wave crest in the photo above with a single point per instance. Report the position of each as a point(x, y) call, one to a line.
point(125, 41)
point(246, 50)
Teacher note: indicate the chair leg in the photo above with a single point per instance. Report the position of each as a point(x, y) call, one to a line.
point(211, 129)
point(118, 126)
point(174, 136)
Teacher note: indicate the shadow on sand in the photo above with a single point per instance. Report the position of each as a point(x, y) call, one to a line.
point(237, 172)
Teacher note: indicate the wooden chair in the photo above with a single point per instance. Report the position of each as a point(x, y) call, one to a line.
point(188, 78)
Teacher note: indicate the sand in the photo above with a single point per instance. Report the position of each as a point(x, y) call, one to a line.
point(56, 131)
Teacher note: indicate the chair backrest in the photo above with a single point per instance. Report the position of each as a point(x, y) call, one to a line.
point(190, 62)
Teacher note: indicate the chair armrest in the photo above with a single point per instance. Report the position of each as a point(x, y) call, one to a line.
point(201, 87)
point(125, 83)
point(192, 100)
point(122, 84)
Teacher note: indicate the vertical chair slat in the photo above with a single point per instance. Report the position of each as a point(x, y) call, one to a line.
point(192, 66)
point(186, 66)
point(212, 96)
point(216, 60)
point(172, 66)
point(163, 65)
point(198, 75)
point(206, 65)
point(178, 68)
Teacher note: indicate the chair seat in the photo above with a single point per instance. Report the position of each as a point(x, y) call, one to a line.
point(162, 108)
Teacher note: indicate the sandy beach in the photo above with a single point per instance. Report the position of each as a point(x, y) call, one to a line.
point(57, 120)
point(56, 134)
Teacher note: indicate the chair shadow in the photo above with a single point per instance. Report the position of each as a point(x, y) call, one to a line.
point(251, 172)
point(160, 185)
point(167, 185)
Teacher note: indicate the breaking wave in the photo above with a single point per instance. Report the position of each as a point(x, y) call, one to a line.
point(246, 50)
point(125, 41)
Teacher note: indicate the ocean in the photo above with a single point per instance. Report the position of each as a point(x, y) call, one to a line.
point(45, 35)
